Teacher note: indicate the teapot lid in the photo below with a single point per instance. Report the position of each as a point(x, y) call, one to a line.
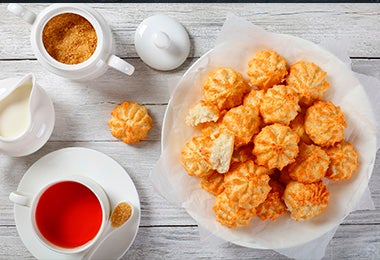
point(162, 42)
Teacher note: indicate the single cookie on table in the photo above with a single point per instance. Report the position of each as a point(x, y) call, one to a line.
point(275, 146)
point(325, 123)
point(306, 200)
point(344, 161)
point(266, 68)
point(130, 122)
point(225, 88)
point(279, 105)
point(309, 80)
point(311, 164)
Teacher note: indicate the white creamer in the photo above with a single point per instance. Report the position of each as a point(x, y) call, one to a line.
point(27, 116)
point(14, 112)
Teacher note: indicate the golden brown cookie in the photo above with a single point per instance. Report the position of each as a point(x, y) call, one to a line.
point(213, 183)
point(309, 81)
point(247, 184)
point(266, 68)
point(219, 151)
point(225, 88)
point(297, 125)
point(279, 105)
point(243, 122)
point(275, 146)
point(344, 161)
point(202, 112)
point(306, 200)
point(130, 122)
point(243, 153)
point(273, 206)
point(229, 214)
point(193, 159)
point(324, 123)
point(253, 98)
point(311, 164)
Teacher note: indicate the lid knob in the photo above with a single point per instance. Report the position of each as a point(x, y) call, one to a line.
point(161, 40)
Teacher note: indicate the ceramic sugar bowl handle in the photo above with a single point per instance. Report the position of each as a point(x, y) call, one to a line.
point(22, 12)
point(121, 65)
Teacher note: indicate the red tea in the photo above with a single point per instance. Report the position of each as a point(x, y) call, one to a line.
point(68, 214)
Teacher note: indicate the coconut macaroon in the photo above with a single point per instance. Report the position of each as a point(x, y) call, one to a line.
point(213, 183)
point(243, 153)
point(309, 81)
point(192, 158)
point(253, 98)
point(311, 164)
point(324, 123)
point(220, 152)
point(130, 122)
point(306, 200)
point(266, 68)
point(297, 125)
point(275, 146)
point(344, 161)
point(273, 206)
point(279, 105)
point(225, 88)
point(202, 112)
point(229, 214)
point(246, 186)
point(243, 122)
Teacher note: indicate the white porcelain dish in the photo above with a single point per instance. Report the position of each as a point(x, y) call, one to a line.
point(345, 91)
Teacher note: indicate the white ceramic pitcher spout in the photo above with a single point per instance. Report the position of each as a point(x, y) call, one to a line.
point(27, 116)
point(96, 65)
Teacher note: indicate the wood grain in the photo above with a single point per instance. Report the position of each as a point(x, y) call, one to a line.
point(358, 23)
point(83, 109)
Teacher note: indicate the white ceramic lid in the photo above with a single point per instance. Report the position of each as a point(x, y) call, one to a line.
point(162, 42)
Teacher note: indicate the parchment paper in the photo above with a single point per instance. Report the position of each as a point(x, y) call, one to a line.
point(237, 43)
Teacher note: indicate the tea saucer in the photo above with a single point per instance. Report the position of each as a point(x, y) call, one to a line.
point(92, 164)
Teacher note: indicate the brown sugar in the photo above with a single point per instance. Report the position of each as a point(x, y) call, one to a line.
point(120, 214)
point(69, 38)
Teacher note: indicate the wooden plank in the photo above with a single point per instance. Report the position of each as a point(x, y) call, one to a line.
point(351, 242)
point(358, 23)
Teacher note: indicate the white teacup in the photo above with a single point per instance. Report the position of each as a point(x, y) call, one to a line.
point(67, 215)
point(94, 66)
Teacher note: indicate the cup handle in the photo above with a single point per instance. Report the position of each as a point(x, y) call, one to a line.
point(121, 65)
point(20, 198)
point(22, 12)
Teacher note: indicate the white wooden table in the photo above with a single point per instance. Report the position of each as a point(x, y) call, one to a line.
point(83, 109)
